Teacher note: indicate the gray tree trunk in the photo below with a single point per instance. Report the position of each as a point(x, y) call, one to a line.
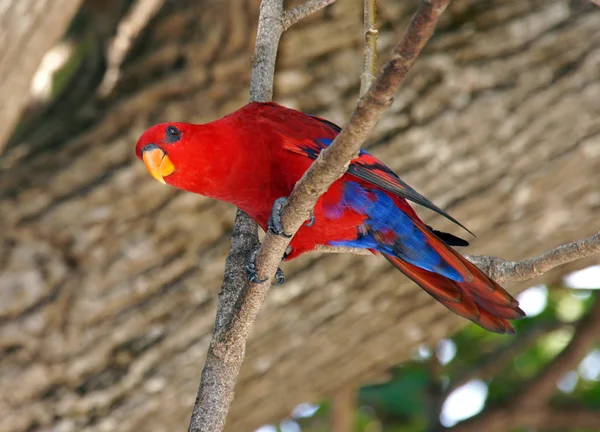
point(108, 280)
point(28, 29)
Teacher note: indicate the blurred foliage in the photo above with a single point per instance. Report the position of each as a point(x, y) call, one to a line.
point(404, 403)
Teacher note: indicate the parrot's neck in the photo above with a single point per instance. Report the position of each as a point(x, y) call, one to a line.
point(226, 160)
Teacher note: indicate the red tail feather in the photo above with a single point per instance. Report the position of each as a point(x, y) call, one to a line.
point(481, 299)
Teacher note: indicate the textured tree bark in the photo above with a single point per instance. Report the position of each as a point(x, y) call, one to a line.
point(108, 280)
point(29, 29)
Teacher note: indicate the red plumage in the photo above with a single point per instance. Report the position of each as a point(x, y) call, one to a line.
point(257, 154)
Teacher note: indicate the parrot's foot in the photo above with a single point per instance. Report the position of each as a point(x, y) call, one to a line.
point(274, 224)
point(279, 277)
point(252, 274)
point(311, 221)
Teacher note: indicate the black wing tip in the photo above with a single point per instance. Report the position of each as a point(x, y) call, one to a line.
point(431, 206)
point(398, 187)
point(449, 239)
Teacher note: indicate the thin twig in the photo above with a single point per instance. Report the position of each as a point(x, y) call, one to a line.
point(140, 14)
point(341, 249)
point(501, 270)
point(512, 271)
point(291, 17)
point(371, 35)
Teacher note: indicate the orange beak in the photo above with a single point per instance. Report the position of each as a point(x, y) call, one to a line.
point(158, 163)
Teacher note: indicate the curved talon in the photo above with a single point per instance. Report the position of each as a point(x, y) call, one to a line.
point(279, 277)
point(251, 272)
point(256, 280)
point(311, 221)
point(274, 224)
point(279, 232)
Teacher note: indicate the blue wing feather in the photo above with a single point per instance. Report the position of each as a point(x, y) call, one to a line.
point(389, 230)
point(372, 170)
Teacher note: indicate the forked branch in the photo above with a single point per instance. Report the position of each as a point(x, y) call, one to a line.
point(291, 17)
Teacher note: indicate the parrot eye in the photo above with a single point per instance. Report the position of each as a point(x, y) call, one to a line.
point(173, 134)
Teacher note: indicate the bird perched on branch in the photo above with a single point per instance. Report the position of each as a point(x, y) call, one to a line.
point(253, 158)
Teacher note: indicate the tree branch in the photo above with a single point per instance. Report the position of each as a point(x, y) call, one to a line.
point(501, 270)
point(341, 249)
point(223, 363)
point(226, 351)
point(371, 35)
point(510, 271)
point(270, 28)
point(291, 17)
point(142, 11)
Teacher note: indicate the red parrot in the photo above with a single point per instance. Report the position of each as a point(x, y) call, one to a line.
point(254, 156)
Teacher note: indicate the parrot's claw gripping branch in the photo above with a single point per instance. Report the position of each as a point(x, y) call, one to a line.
point(252, 273)
point(274, 224)
point(279, 277)
point(311, 221)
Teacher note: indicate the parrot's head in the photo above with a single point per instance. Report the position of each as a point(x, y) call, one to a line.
point(163, 149)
